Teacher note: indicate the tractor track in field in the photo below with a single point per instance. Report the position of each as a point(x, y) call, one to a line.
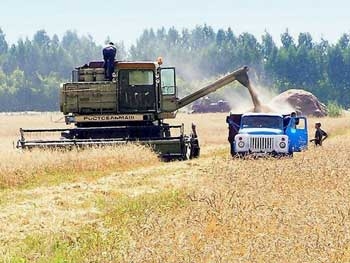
point(69, 206)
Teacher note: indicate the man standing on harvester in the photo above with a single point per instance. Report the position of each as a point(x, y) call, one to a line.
point(109, 53)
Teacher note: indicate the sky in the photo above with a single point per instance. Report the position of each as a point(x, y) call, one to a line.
point(125, 20)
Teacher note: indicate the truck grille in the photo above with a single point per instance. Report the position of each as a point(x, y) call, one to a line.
point(261, 144)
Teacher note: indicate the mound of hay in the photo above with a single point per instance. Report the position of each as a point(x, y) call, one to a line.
point(304, 102)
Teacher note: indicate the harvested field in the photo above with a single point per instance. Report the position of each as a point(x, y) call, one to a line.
point(123, 205)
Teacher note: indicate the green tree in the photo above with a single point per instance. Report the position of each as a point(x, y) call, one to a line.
point(287, 40)
point(31, 69)
point(3, 43)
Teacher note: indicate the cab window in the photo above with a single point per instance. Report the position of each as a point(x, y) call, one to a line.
point(140, 78)
point(168, 81)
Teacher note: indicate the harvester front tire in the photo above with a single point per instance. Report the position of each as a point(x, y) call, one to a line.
point(195, 149)
point(192, 150)
point(188, 152)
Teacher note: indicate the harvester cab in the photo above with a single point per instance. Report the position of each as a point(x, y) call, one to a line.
point(131, 107)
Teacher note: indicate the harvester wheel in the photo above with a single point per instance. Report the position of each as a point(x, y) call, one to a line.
point(188, 152)
point(192, 150)
point(195, 149)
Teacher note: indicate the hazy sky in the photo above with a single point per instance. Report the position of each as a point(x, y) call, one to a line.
point(125, 20)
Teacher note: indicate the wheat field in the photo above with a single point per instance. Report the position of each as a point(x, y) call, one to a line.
point(121, 204)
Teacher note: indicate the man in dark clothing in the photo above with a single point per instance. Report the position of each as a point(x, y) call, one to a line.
point(289, 118)
point(233, 126)
point(320, 135)
point(109, 53)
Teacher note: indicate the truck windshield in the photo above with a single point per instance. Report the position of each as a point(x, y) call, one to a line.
point(273, 122)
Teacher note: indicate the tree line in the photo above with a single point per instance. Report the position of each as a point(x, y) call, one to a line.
point(31, 70)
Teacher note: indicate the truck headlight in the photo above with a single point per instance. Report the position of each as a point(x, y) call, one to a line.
point(241, 144)
point(282, 145)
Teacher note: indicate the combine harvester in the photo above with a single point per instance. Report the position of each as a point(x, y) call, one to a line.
point(131, 107)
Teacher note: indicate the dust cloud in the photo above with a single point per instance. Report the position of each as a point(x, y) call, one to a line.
point(255, 99)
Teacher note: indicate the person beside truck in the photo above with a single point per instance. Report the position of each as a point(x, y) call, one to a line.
point(320, 135)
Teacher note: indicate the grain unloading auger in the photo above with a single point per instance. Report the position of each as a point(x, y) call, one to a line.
point(130, 108)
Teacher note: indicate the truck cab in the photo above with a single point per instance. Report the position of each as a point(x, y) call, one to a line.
point(266, 134)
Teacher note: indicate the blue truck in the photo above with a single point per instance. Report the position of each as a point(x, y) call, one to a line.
point(266, 134)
